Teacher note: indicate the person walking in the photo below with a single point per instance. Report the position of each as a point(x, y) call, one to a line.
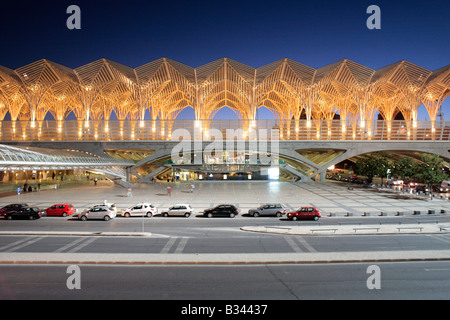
point(192, 188)
point(169, 190)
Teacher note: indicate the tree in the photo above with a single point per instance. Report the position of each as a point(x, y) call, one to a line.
point(429, 170)
point(404, 168)
point(383, 164)
point(372, 165)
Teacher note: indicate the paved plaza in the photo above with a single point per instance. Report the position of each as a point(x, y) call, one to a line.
point(328, 197)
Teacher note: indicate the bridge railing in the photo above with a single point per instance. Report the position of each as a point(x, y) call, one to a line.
point(130, 130)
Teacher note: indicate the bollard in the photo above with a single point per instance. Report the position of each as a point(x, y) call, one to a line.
point(416, 213)
point(349, 214)
point(366, 214)
point(383, 214)
point(431, 211)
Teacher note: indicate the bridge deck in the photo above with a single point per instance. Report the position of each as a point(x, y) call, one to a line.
point(155, 130)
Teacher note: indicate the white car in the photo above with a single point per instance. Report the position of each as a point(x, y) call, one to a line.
point(178, 210)
point(139, 210)
point(97, 212)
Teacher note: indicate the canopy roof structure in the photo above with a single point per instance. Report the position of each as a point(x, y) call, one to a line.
point(164, 87)
point(15, 158)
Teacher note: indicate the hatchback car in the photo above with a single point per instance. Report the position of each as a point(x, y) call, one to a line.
point(100, 212)
point(224, 210)
point(304, 213)
point(63, 210)
point(268, 209)
point(12, 207)
point(139, 210)
point(29, 213)
point(178, 210)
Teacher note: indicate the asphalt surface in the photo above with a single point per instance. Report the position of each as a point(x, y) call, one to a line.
point(220, 258)
point(260, 284)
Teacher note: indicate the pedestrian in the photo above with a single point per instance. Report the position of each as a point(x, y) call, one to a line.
point(129, 193)
point(169, 190)
point(192, 188)
point(95, 181)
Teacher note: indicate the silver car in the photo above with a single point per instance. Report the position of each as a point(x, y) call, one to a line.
point(100, 212)
point(268, 209)
point(178, 210)
point(141, 209)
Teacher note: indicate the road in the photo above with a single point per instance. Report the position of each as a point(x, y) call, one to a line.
point(418, 280)
point(171, 236)
point(215, 235)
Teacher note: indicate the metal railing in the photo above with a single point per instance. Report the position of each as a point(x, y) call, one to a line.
point(133, 130)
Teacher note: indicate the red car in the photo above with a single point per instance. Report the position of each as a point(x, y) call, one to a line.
point(60, 210)
point(304, 213)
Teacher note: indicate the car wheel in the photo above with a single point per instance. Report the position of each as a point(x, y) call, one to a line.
point(294, 218)
point(316, 218)
point(231, 215)
point(64, 214)
point(83, 218)
point(31, 218)
point(256, 214)
point(127, 215)
point(279, 214)
point(9, 217)
point(187, 214)
point(210, 215)
point(106, 218)
point(149, 215)
point(165, 214)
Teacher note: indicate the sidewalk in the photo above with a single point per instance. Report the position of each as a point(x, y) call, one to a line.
point(223, 258)
point(353, 229)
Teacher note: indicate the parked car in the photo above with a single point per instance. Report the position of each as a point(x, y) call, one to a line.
point(141, 209)
point(440, 189)
point(421, 188)
point(178, 210)
point(29, 213)
point(101, 212)
point(304, 213)
point(224, 210)
point(12, 207)
point(63, 210)
point(268, 209)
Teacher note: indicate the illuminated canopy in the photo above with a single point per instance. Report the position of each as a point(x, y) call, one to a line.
point(164, 87)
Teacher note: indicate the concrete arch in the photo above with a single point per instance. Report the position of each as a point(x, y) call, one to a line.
point(286, 149)
point(367, 147)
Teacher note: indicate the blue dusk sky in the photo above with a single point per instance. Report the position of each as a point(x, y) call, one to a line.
point(315, 33)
